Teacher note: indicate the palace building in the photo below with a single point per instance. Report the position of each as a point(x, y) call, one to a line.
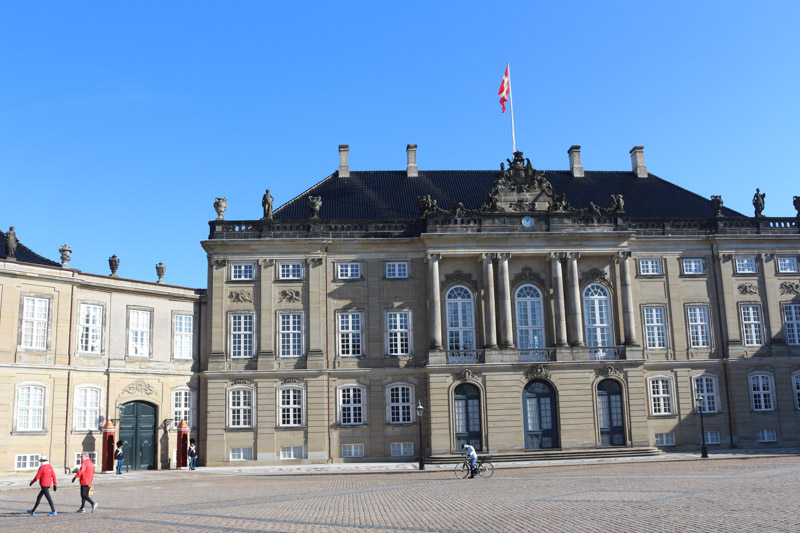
point(384, 315)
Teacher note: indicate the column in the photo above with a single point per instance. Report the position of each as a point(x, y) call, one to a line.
point(488, 303)
point(558, 298)
point(506, 329)
point(628, 313)
point(576, 318)
point(434, 302)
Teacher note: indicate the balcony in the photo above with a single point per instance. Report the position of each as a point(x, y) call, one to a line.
point(465, 357)
point(606, 353)
point(536, 355)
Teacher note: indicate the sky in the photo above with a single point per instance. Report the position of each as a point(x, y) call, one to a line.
point(120, 123)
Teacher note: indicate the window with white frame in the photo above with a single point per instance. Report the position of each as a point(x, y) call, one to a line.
point(597, 315)
point(26, 461)
point(766, 435)
point(397, 269)
point(91, 328)
point(349, 334)
point(665, 439)
point(746, 265)
point(796, 388)
point(401, 404)
point(699, 328)
point(787, 265)
point(351, 405)
point(79, 460)
point(182, 336)
point(290, 407)
point(706, 386)
point(241, 454)
point(348, 270)
point(291, 334)
point(693, 267)
point(530, 318)
point(402, 449)
point(655, 327)
point(712, 437)
point(240, 408)
point(242, 271)
point(181, 407)
point(649, 267)
point(761, 390)
point(352, 450)
point(660, 396)
point(290, 270)
point(399, 331)
point(752, 325)
point(791, 323)
point(35, 313)
point(293, 452)
point(138, 333)
point(460, 319)
point(87, 408)
point(30, 408)
point(242, 335)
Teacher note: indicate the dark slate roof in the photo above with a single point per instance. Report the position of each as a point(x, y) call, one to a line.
point(25, 254)
point(391, 195)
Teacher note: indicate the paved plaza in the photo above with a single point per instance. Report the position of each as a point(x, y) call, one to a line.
point(756, 494)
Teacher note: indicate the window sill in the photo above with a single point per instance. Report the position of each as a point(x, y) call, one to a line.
point(290, 428)
point(239, 428)
point(351, 426)
point(401, 424)
point(91, 355)
point(237, 281)
point(287, 280)
point(29, 432)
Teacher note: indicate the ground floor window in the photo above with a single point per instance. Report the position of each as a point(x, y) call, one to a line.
point(665, 439)
point(292, 452)
point(402, 449)
point(26, 461)
point(241, 454)
point(352, 450)
point(540, 416)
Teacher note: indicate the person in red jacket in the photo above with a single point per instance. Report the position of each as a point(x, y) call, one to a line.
point(47, 478)
point(86, 476)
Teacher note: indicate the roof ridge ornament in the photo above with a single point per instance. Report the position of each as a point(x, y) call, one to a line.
point(520, 187)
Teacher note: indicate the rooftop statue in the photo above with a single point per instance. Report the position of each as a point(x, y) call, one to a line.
point(266, 203)
point(11, 243)
point(314, 204)
point(758, 202)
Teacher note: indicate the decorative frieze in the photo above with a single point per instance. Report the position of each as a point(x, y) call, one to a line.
point(241, 296)
point(290, 296)
point(139, 387)
point(748, 288)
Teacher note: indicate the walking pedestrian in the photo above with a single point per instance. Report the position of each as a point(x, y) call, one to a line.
point(119, 455)
point(192, 454)
point(86, 476)
point(47, 479)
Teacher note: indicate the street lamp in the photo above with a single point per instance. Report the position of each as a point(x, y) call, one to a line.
point(420, 409)
point(700, 409)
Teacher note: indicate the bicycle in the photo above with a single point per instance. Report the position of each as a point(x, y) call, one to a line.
point(485, 468)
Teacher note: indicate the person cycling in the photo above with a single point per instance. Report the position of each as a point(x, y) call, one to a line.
point(469, 451)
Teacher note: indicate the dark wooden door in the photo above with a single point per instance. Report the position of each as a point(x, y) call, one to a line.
point(137, 431)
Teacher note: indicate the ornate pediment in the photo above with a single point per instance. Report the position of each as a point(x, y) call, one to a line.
point(519, 188)
point(529, 276)
point(595, 274)
point(537, 372)
point(467, 375)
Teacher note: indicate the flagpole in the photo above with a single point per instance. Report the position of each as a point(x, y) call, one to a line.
point(511, 105)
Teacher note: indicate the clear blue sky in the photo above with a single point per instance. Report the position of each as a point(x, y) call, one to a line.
point(121, 122)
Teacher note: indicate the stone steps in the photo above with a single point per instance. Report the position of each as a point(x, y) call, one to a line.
point(554, 455)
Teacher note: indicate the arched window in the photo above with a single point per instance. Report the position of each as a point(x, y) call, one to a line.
point(609, 413)
point(460, 319)
point(597, 315)
point(467, 412)
point(530, 318)
point(539, 405)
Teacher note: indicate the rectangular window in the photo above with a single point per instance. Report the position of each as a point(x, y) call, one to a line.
point(35, 312)
point(796, 386)
point(291, 335)
point(91, 324)
point(181, 407)
point(752, 325)
point(242, 336)
point(352, 450)
point(649, 267)
point(746, 265)
point(351, 405)
point(182, 340)
point(400, 404)
point(293, 452)
point(665, 439)
point(26, 461)
point(139, 333)
point(787, 265)
point(397, 270)
point(78, 461)
point(350, 334)
point(242, 271)
point(706, 386)
point(402, 449)
point(241, 454)
point(293, 270)
point(399, 324)
point(291, 407)
point(699, 336)
point(693, 267)
point(761, 392)
point(766, 435)
point(791, 321)
point(655, 327)
point(87, 409)
point(241, 408)
point(660, 397)
point(348, 270)
point(30, 408)
point(712, 437)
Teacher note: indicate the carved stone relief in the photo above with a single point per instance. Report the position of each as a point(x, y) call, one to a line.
point(291, 380)
point(219, 263)
point(240, 297)
point(460, 277)
point(789, 287)
point(467, 375)
point(748, 288)
point(528, 275)
point(595, 274)
point(241, 381)
point(290, 296)
point(537, 372)
point(266, 262)
point(314, 261)
point(139, 387)
point(608, 371)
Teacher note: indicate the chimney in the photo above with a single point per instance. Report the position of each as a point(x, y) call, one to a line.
point(637, 161)
point(344, 168)
point(412, 171)
point(575, 161)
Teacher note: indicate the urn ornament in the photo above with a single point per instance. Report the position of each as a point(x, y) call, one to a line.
point(220, 205)
point(161, 269)
point(66, 254)
point(113, 264)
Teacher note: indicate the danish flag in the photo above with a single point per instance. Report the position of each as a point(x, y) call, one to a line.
point(505, 89)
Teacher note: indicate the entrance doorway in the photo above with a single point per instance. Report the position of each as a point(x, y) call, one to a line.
point(467, 410)
point(541, 429)
point(609, 413)
point(137, 431)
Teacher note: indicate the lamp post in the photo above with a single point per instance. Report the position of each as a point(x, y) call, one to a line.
point(700, 409)
point(420, 409)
